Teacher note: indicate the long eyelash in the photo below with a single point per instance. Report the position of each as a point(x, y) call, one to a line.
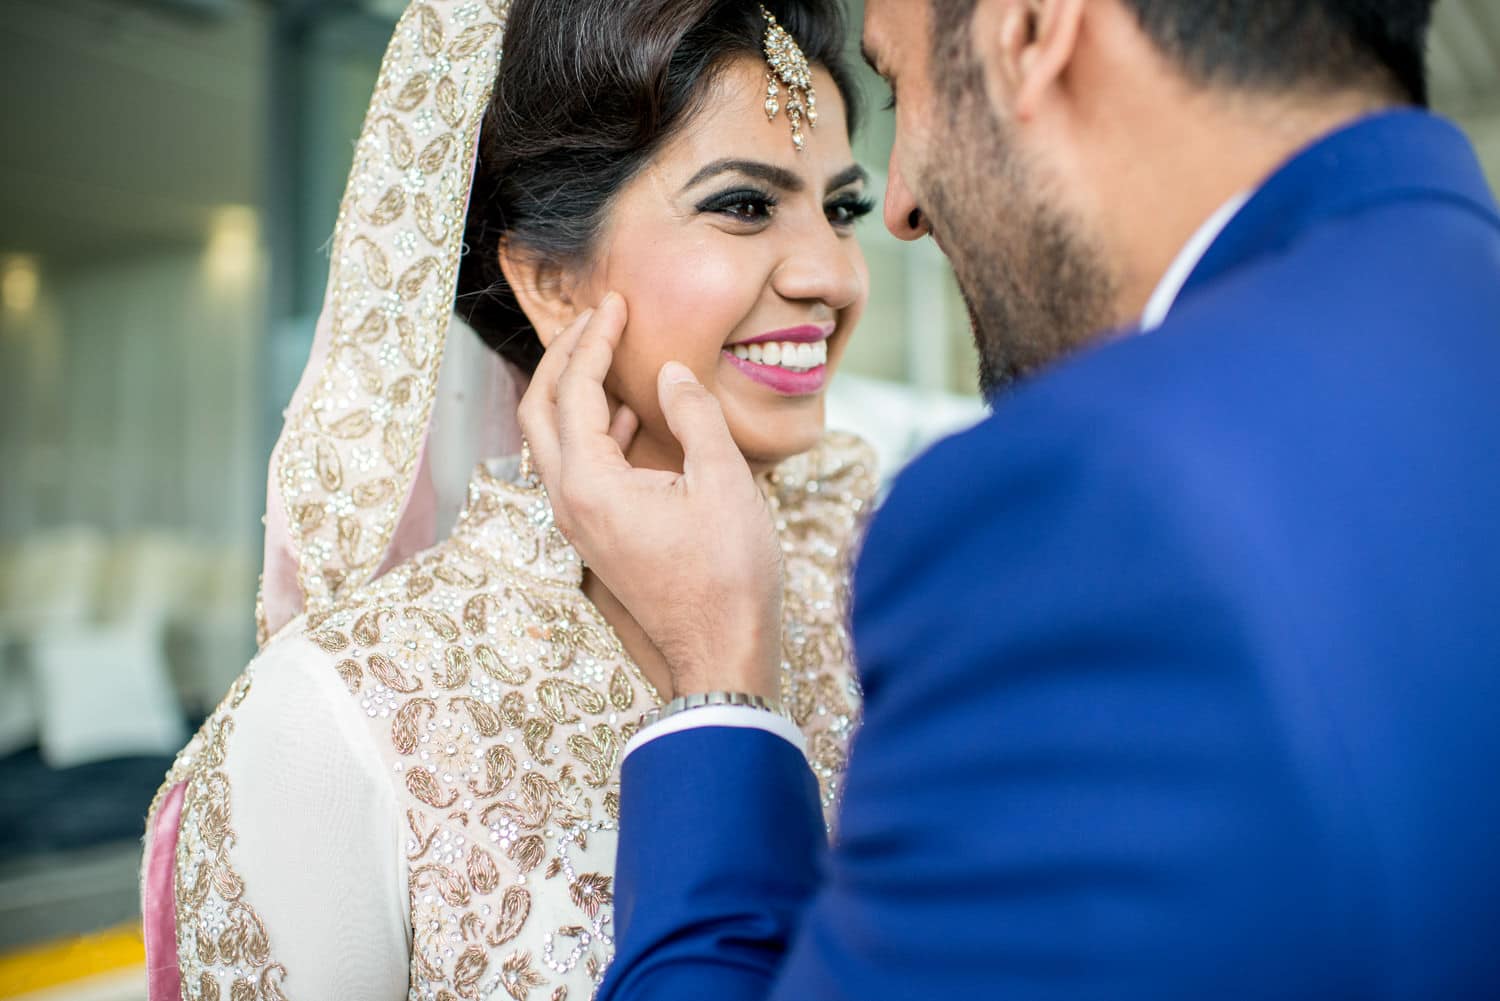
point(858, 207)
point(726, 200)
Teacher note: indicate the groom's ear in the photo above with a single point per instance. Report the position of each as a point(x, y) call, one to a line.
point(542, 289)
point(1025, 47)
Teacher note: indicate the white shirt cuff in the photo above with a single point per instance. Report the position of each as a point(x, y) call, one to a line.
point(742, 717)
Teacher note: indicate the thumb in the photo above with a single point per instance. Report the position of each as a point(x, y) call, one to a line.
point(697, 422)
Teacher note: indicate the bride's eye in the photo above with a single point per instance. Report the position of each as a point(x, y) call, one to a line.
point(743, 205)
point(846, 210)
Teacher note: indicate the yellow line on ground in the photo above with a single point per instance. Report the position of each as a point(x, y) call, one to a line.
point(80, 957)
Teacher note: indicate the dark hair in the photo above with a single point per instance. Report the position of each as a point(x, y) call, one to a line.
point(588, 92)
point(1280, 44)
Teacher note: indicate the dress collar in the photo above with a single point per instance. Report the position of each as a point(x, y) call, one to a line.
point(508, 519)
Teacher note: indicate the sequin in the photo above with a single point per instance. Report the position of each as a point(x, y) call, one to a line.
point(504, 702)
point(500, 696)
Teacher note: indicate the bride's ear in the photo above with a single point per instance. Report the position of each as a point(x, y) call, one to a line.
point(543, 291)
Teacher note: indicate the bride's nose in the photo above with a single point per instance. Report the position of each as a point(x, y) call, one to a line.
point(821, 267)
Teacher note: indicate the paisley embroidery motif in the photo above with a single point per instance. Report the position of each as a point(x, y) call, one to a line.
point(512, 701)
point(223, 947)
point(348, 450)
point(504, 702)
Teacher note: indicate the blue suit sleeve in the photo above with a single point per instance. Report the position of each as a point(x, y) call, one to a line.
point(1069, 783)
point(721, 841)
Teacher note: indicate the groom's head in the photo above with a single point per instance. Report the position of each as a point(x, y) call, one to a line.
point(1062, 151)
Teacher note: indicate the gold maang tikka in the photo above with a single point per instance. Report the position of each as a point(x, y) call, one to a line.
point(789, 69)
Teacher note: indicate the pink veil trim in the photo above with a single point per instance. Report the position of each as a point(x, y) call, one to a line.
point(159, 901)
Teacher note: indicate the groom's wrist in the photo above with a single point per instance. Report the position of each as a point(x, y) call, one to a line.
point(752, 667)
point(710, 700)
point(715, 709)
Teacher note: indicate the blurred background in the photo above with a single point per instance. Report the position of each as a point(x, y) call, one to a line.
point(169, 175)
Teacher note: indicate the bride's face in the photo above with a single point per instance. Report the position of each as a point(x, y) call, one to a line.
point(736, 256)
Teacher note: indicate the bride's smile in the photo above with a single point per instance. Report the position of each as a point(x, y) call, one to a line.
point(735, 254)
point(791, 362)
point(425, 777)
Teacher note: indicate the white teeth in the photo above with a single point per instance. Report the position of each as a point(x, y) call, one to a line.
point(785, 354)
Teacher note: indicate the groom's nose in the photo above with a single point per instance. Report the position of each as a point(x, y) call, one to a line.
point(903, 216)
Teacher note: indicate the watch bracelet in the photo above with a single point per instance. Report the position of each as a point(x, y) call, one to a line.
point(705, 700)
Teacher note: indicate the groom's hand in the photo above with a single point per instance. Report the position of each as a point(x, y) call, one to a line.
point(694, 557)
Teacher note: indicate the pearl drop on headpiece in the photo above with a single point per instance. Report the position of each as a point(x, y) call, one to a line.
point(789, 67)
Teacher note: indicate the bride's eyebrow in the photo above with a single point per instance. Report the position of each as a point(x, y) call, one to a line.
point(773, 175)
point(852, 174)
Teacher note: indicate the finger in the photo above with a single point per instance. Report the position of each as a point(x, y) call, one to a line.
point(537, 413)
point(623, 428)
point(697, 422)
point(583, 412)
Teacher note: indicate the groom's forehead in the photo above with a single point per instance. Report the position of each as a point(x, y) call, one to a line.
point(890, 25)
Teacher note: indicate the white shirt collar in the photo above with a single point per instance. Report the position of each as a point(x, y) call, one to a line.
point(1170, 286)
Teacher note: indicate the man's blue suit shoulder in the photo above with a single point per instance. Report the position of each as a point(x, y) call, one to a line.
point(1294, 478)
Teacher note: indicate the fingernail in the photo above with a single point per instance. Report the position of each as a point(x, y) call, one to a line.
point(675, 372)
point(609, 298)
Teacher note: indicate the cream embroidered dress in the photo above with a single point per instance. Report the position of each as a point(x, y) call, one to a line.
point(414, 794)
point(411, 791)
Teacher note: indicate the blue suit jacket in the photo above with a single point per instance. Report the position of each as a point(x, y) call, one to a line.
point(1182, 671)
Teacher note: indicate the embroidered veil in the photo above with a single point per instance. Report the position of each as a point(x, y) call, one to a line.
point(412, 791)
point(399, 399)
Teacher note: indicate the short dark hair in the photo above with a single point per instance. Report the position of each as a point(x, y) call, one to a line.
point(1280, 44)
point(588, 92)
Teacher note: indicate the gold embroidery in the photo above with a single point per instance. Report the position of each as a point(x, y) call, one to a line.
point(223, 946)
point(506, 701)
point(348, 452)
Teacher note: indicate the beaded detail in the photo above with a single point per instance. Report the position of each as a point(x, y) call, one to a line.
point(502, 701)
point(789, 68)
point(223, 948)
point(350, 449)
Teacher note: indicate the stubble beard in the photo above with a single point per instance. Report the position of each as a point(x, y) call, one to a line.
point(1036, 288)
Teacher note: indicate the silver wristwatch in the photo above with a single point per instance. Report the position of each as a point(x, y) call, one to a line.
point(703, 700)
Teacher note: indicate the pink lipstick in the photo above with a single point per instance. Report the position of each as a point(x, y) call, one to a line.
point(775, 371)
point(808, 334)
point(783, 381)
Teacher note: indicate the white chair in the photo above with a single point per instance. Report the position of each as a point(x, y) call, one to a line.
point(18, 716)
point(103, 686)
point(48, 582)
point(18, 712)
point(104, 693)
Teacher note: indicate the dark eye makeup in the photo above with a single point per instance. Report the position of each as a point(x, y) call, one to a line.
point(752, 206)
point(849, 208)
point(741, 204)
